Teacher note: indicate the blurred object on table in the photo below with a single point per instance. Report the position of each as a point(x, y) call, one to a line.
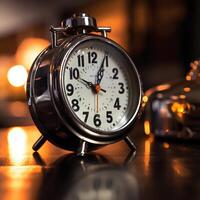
point(173, 109)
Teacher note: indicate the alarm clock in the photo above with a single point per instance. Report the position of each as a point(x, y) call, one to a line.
point(83, 91)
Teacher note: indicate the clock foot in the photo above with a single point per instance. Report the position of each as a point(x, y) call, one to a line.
point(129, 158)
point(38, 159)
point(130, 143)
point(38, 144)
point(83, 148)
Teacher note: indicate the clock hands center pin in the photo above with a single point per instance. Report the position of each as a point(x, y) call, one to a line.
point(89, 84)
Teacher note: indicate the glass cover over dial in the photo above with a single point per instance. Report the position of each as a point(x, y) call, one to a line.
point(100, 85)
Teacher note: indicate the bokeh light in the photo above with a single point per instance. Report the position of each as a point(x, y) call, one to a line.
point(17, 144)
point(17, 75)
point(29, 49)
point(147, 128)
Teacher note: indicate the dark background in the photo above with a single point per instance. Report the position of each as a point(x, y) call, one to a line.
point(161, 36)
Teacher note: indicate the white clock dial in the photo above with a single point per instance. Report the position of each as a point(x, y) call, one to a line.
point(97, 86)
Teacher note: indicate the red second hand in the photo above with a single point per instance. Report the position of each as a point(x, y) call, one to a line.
point(97, 89)
point(97, 102)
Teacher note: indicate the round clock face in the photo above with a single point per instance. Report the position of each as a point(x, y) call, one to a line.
point(100, 85)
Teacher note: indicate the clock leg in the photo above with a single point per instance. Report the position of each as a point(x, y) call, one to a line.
point(130, 143)
point(39, 143)
point(83, 148)
point(38, 159)
point(129, 158)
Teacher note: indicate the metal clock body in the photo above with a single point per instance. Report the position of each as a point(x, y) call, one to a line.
point(83, 91)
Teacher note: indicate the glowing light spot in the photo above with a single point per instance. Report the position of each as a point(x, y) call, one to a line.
point(180, 108)
point(29, 49)
point(176, 107)
point(182, 96)
point(163, 87)
point(188, 78)
point(16, 144)
point(17, 75)
point(145, 99)
point(166, 145)
point(173, 97)
point(187, 89)
point(147, 129)
point(147, 151)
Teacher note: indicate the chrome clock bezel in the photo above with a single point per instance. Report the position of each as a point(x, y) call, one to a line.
point(84, 131)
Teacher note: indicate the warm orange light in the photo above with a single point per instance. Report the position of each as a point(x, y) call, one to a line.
point(188, 78)
point(166, 145)
point(147, 151)
point(182, 96)
point(145, 98)
point(187, 89)
point(176, 107)
point(180, 108)
point(147, 127)
point(18, 106)
point(157, 88)
point(29, 49)
point(17, 75)
point(16, 144)
point(163, 87)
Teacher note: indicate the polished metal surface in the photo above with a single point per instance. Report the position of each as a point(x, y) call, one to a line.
point(80, 23)
point(159, 170)
point(49, 108)
point(173, 109)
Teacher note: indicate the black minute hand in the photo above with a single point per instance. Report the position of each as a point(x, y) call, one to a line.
point(100, 72)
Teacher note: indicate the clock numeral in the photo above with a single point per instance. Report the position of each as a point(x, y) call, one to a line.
point(96, 120)
point(80, 60)
point(117, 104)
point(106, 60)
point(121, 90)
point(109, 116)
point(86, 116)
point(92, 57)
point(70, 89)
point(75, 105)
point(115, 73)
point(73, 73)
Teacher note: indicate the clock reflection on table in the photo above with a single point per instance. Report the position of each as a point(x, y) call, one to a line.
point(86, 177)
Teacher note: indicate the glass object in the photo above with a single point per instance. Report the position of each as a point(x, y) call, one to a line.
point(173, 110)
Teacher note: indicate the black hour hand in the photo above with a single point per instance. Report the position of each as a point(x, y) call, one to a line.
point(90, 85)
point(87, 83)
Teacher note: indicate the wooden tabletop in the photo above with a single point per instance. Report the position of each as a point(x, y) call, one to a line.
point(158, 170)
